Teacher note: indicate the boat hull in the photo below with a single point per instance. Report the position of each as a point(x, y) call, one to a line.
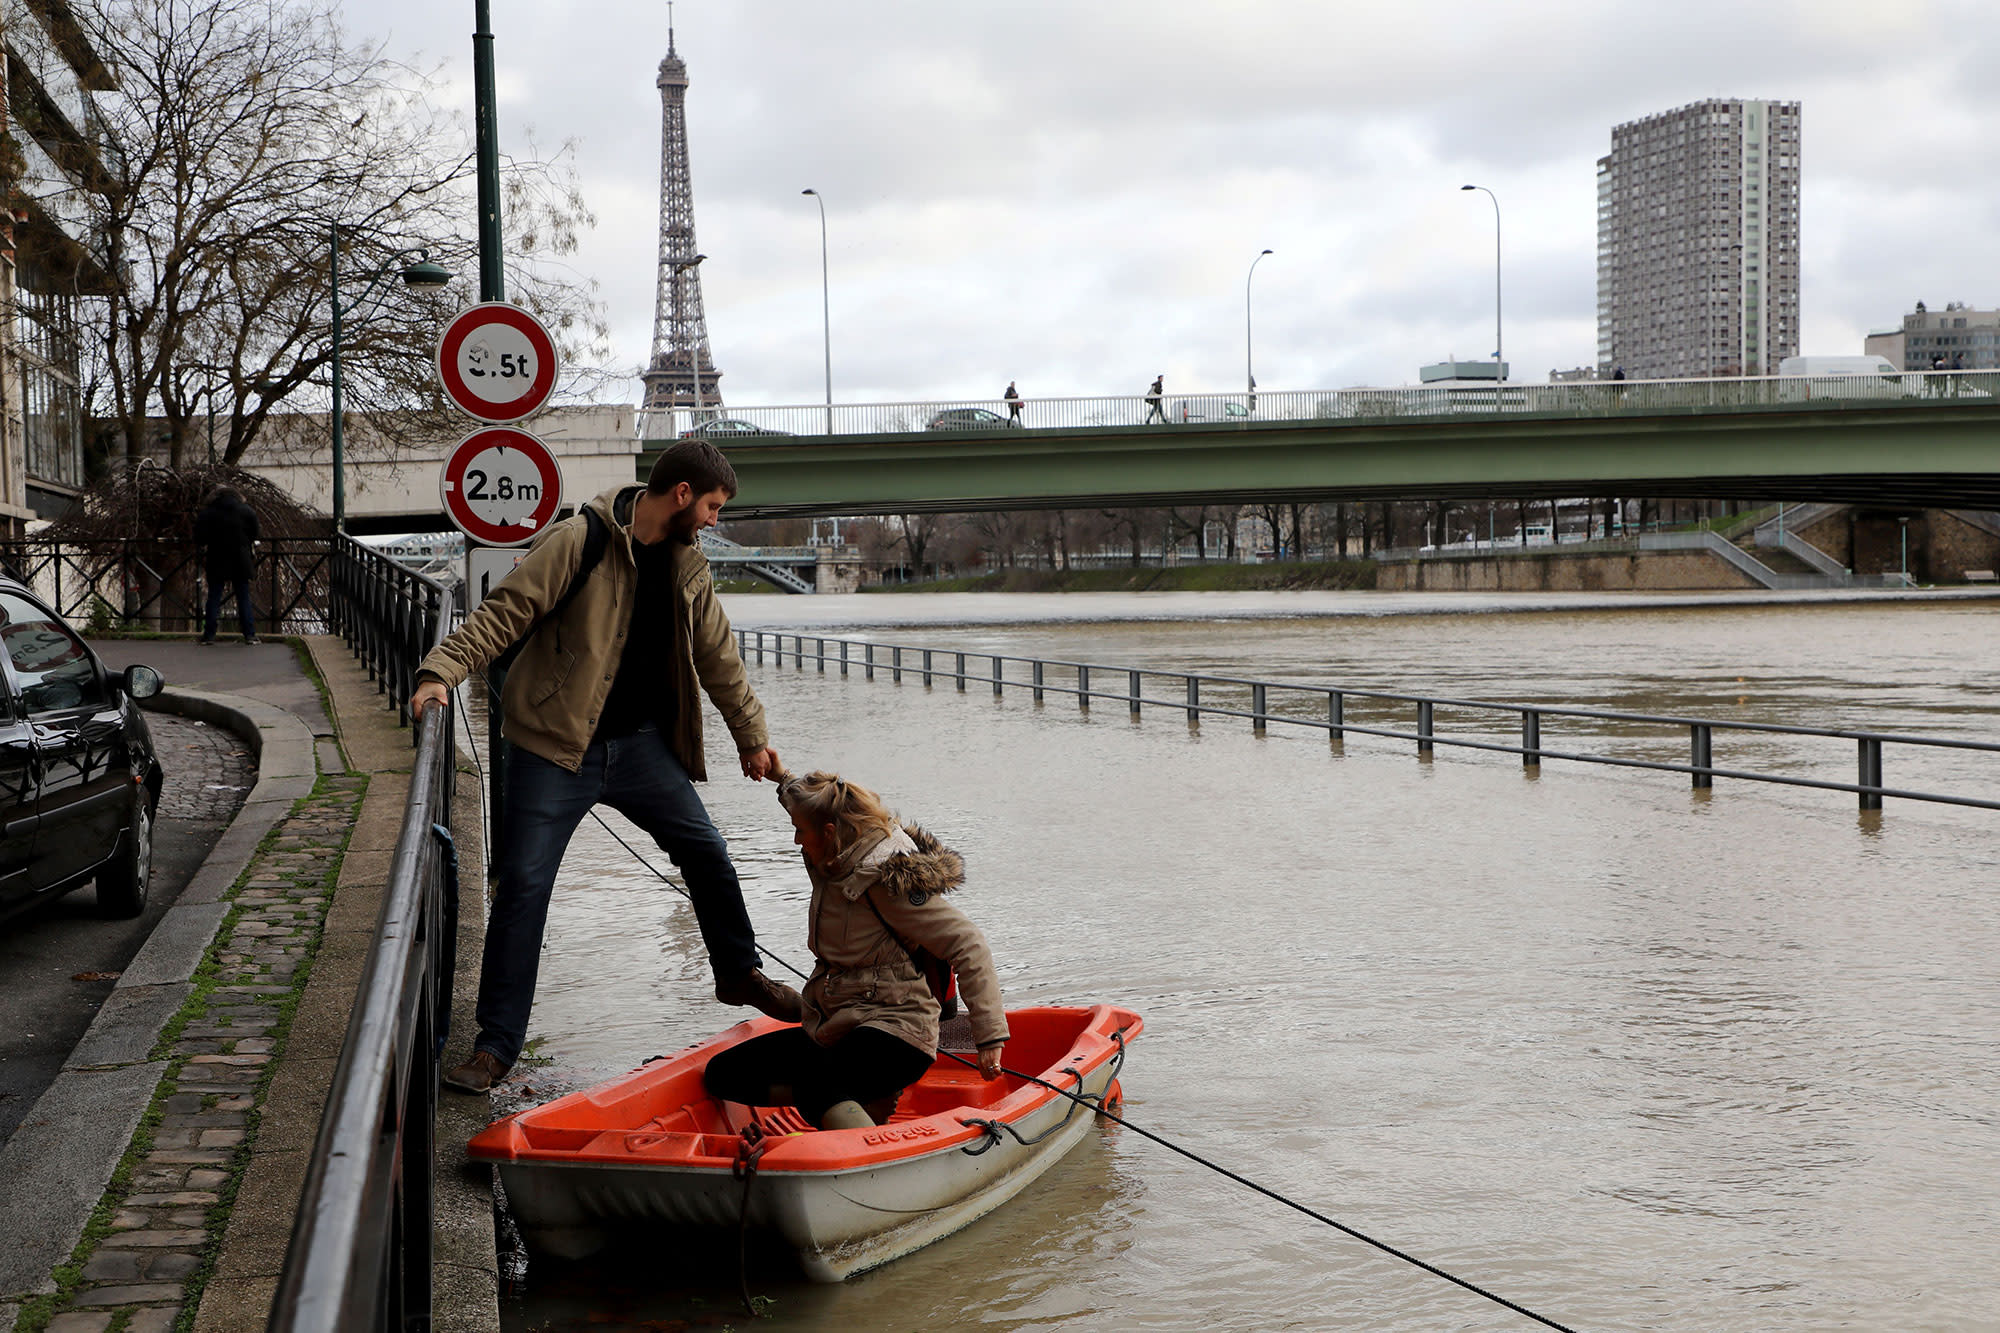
point(843, 1200)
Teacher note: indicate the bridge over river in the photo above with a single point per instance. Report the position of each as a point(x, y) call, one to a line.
point(1918, 440)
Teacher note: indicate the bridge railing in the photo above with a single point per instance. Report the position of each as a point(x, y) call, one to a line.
point(361, 1247)
point(1582, 399)
point(1501, 728)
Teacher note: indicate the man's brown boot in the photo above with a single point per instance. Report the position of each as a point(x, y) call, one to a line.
point(760, 992)
point(478, 1074)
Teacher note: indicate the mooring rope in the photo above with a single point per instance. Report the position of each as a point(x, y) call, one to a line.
point(1096, 1104)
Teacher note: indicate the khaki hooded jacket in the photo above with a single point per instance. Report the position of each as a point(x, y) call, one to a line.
point(557, 687)
point(864, 976)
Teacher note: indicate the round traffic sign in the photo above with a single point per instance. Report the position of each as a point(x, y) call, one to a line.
point(501, 486)
point(497, 362)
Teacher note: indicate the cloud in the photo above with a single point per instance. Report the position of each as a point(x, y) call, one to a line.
point(1071, 195)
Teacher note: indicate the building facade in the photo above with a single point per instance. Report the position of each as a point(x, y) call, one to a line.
point(54, 153)
point(1698, 241)
point(1956, 337)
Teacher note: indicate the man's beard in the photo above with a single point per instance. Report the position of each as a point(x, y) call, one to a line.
point(681, 527)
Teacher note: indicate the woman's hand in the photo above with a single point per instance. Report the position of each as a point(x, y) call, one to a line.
point(989, 1062)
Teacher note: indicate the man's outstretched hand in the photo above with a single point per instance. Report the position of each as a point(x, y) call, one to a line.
point(428, 693)
point(760, 764)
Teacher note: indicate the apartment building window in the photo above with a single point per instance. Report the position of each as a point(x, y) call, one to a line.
point(50, 403)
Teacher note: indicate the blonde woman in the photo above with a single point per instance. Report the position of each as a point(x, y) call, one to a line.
point(869, 1027)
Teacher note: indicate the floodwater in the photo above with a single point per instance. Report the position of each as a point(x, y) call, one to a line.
point(1633, 1056)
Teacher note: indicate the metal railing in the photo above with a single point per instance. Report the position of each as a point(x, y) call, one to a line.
point(1571, 399)
point(160, 584)
point(361, 1246)
point(389, 614)
point(1338, 710)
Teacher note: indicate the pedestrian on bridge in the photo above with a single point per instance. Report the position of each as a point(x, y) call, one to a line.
point(1013, 400)
point(1154, 412)
point(602, 709)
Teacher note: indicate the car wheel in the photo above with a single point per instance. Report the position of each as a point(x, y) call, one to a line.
point(123, 885)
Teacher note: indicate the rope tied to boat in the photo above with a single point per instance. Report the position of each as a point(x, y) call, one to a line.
point(995, 1128)
point(751, 1145)
point(1096, 1103)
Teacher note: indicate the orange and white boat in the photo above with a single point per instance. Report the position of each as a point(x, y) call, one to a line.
point(653, 1148)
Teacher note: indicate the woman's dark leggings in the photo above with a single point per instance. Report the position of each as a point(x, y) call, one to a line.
point(864, 1066)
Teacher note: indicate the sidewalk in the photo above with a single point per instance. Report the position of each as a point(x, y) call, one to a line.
point(158, 1179)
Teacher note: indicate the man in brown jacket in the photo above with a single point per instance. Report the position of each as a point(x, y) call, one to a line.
point(601, 708)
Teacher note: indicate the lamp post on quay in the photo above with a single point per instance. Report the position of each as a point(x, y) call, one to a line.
point(420, 276)
point(1249, 374)
point(825, 310)
point(1499, 360)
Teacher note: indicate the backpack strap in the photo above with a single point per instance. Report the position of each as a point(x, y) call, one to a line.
point(596, 536)
point(933, 969)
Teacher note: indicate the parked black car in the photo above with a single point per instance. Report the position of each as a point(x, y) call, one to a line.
point(79, 777)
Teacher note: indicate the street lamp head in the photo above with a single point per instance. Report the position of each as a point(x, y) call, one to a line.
point(808, 191)
point(1262, 253)
point(1468, 187)
point(425, 276)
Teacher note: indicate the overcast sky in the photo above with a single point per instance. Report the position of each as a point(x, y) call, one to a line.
point(1071, 194)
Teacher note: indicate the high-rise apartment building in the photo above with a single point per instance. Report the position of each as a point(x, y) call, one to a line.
point(1698, 241)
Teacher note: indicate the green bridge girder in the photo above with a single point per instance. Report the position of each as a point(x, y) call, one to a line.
point(1928, 455)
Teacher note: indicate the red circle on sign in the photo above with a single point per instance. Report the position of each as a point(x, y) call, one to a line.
point(486, 481)
point(510, 322)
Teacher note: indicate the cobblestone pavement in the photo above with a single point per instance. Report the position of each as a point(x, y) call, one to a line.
point(148, 1250)
point(209, 770)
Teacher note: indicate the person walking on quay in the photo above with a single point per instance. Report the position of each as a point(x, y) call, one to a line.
point(601, 708)
point(1153, 399)
point(226, 531)
point(1013, 400)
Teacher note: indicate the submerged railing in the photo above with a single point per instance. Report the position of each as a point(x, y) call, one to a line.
point(1338, 710)
point(361, 1247)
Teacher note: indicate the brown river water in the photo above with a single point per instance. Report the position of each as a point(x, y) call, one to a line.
point(1634, 1056)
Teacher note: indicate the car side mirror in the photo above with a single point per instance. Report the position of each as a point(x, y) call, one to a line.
point(142, 682)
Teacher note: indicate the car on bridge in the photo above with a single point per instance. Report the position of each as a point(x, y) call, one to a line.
point(729, 428)
point(79, 775)
point(966, 418)
point(1210, 407)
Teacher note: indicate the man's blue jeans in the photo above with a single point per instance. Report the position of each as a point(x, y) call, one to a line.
point(246, 617)
point(638, 776)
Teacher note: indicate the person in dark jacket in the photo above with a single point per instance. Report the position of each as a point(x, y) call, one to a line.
point(226, 532)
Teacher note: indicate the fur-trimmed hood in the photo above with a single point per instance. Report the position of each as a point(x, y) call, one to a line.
point(906, 861)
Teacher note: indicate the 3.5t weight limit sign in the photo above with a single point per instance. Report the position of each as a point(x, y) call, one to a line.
point(497, 362)
point(501, 486)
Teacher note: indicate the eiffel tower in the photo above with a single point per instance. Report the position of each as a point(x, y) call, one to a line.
point(681, 376)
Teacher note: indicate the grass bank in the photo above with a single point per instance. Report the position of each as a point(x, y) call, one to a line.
point(1289, 576)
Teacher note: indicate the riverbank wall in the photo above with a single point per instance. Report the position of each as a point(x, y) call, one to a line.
point(1556, 571)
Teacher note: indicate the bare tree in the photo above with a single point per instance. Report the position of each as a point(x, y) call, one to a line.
point(252, 132)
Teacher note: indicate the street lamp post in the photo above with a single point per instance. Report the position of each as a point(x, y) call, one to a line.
point(1904, 522)
point(825, 310)
point(422, 276)
point(1249, 374)
point(1499, 360)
